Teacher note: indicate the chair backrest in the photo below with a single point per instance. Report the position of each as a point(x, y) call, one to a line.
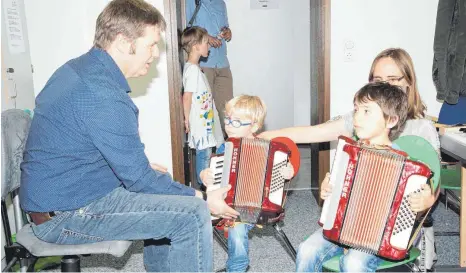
point(420, 149)
point(15, 128)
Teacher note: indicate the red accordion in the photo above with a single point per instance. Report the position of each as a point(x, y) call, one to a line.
point(253, 169)
point(368, 208)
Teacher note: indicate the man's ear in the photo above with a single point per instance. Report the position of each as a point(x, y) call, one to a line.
point(122, 44)
point(392, 121)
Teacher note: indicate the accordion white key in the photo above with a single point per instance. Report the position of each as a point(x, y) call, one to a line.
point(368, 208)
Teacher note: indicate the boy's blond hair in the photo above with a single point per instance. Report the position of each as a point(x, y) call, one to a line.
point(251, 107)
point(192, 36)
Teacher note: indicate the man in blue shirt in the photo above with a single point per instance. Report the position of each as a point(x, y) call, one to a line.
point(85, 177)
point(212, 16)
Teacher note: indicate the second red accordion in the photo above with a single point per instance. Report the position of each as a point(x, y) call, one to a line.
point(368, 208)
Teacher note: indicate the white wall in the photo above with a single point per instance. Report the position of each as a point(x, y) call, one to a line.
point(21, 79)
point(270, 57)
point(374, 25)
point(62, 30)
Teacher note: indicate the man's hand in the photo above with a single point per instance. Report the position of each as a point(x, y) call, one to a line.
point(287, 171)
point(207, 177)
point(217, 204)
point(225, 34)
point(214, 42)
point(325, 187)
point(158, 167)
point(422, 200)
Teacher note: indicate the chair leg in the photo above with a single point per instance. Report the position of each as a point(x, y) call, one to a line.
point(446, 200)
point(221, 239)
point(71, 263)
point(284, 238)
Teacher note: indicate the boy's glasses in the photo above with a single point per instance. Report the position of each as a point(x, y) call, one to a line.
point(235, 123)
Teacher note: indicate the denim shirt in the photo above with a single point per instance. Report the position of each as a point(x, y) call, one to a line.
point(84, 141)
point(213, 17)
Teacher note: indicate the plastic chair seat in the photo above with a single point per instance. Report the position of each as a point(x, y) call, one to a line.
point(40, 248)
point(334, 263)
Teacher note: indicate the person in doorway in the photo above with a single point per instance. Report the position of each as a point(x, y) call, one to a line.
point(212, 15)
point(85, 177)
point(200, 113)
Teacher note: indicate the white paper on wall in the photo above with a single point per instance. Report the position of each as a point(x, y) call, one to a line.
point(264, 4)
point(13, 26)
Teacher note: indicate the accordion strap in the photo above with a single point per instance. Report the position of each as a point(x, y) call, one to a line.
point(198, 6)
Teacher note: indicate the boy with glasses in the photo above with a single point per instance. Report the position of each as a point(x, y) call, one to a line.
point(244, 116)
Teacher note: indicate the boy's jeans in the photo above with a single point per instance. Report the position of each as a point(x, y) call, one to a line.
point(125, 215)
point(202, 162)
point(316, 250)
point(238, 247)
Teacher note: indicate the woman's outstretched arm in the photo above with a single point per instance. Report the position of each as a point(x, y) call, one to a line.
point(324, 132)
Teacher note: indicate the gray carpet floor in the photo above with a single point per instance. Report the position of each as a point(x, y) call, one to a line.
point(266, 252)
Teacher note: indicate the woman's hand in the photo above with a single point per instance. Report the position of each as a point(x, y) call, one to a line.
point(325, 187)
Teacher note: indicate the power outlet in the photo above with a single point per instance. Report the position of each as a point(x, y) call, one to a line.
point(349, 51)
point(349, 55)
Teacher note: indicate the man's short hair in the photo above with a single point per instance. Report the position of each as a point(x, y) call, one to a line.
point(392, 100)
point(251, 107)
point(192, 36)
point(128, 17)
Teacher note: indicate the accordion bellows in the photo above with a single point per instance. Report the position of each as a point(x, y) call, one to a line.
point(368, 209)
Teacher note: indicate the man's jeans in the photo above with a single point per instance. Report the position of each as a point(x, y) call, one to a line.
point(202, 162)
point(125, 215)
point(238, 247)
point(316, 250)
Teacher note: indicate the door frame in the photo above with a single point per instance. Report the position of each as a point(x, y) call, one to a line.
point(171, 7)
point(320, 86)
point(320, 79)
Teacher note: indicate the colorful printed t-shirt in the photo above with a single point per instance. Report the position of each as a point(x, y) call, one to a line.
point(201, 116)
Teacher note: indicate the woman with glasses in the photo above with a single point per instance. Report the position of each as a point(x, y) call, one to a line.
point(395, 66)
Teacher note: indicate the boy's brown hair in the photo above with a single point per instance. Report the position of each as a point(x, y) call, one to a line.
point(252, 107)
point(128, 17)
point(192, 36)
point(391, 99)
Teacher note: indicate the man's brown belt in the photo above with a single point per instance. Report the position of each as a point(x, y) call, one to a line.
point(41, 217)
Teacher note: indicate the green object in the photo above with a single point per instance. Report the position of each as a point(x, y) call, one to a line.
point(450, 177)
point(42, 264)
point(334, 263)
point(421, 150)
